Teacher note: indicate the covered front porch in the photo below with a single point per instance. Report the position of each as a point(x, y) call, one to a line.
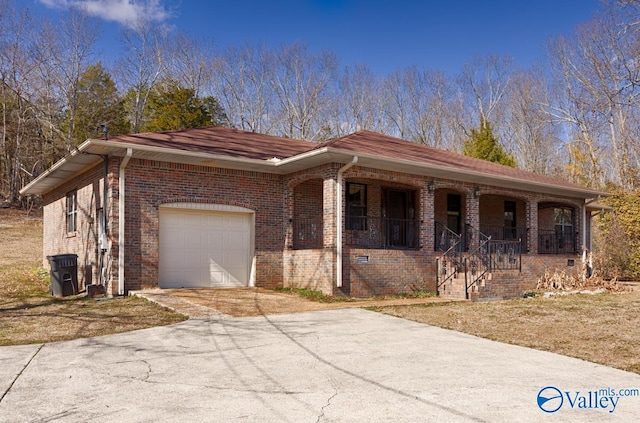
point(368, 232)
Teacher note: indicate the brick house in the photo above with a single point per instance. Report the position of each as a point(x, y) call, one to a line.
point(365, 214)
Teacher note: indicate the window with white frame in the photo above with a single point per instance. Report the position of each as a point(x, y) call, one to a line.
point(72, 211)
point(564, 226)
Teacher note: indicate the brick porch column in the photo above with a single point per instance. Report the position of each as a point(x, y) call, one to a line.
point(532, 226)
point(427, 217)
point(472, 217)
point(288, 215)
point(329, 198)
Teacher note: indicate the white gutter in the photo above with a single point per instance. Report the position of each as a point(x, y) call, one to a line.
point(584, 224)
point(121, 231)
point(339, 221)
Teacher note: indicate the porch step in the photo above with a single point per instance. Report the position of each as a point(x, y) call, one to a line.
point(453, 288)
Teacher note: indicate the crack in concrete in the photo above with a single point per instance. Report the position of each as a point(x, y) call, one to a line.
point(321, 415)
point(15, 379)
point(148, 375)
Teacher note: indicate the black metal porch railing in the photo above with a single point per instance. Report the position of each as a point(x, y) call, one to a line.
point(379, 232)
point(449, 265)
point(551, 242)
point(505, 233)
point(505, 255)
point(446, 239)
point(491, 256)
point(307, 233)
point(477, 262)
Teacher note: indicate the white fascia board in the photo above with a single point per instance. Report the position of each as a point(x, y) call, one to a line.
point(439, 171)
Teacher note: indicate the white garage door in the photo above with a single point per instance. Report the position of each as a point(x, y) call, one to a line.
point(202, 249)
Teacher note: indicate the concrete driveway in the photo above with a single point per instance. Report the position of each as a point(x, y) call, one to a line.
point(347, 365)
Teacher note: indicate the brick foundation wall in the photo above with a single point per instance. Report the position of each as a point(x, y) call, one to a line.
point(310, 269)
point(387, 272)
point(513, 284)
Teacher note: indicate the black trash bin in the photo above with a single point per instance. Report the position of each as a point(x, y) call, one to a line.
point(64, 274)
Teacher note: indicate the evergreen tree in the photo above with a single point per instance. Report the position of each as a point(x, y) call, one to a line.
point(98, 104)
point(483, 144)
point(172, 106)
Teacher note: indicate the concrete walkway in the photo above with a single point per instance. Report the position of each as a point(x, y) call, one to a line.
point(347, 365)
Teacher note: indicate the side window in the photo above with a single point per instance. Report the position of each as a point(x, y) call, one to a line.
point(564, 226)
point(564, 221)
point(356, 206)
point(72, 211)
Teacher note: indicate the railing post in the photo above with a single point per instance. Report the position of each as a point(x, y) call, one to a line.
point(520, 257)
point(490, 256)
point(466, 276)
point(437, 276)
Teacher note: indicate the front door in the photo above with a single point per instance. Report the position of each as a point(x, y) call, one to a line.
point(454, 203)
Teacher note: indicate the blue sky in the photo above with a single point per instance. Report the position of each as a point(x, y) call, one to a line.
point(386, 35)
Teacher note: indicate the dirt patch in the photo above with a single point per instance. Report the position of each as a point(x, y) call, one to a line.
point(242, 302)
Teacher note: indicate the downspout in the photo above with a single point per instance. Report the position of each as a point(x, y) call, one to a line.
point(587, 262)
point(121, 195)
point(102, 237)
point(339, 221)
point(584, 222)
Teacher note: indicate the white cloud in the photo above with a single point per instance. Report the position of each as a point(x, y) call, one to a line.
point(125, 12)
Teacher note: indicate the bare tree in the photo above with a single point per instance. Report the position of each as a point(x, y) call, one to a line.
point(301, 84)
point(17, 114)
point(356, 102)
point(572, 106)
point(600, 73)
point(243, 88)
point(193, 64)
point(430, 121)
point(396, 103)
point(146, 62)
point(64, 51)
point(483, 84)
point(528, 127)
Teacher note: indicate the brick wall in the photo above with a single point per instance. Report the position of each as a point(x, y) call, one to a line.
point(310, 269)
point(149, 184)
point(276, 200)
point(492, 210)
point(386, 272)
point(84, 241)
point(513, 284)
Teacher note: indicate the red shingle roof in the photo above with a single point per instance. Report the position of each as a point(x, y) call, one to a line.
point(253, 151)
point(395, 148)
point(220, 141)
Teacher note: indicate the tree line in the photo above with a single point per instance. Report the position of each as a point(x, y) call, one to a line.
point(574, 115)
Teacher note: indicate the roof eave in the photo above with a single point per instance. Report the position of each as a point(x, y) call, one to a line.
point(88, 155)
point(89, 152)
point(436, 171)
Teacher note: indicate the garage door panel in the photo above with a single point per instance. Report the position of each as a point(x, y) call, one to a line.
point(235, 260)
point(217, 238)
point(204, 249)
point(236, 222)
point(214, 220)
point(175, 234)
